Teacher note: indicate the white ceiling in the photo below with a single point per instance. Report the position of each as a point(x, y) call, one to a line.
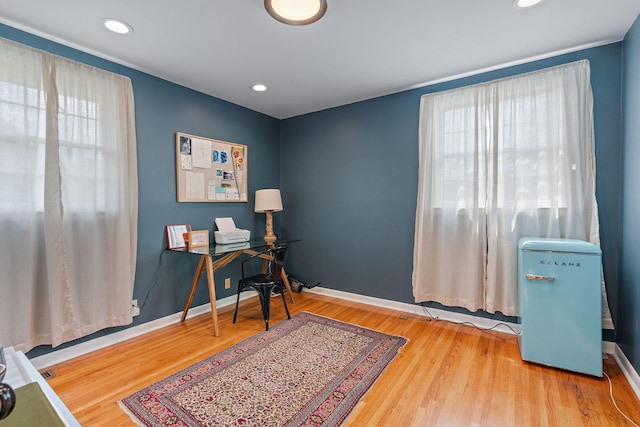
point(361, 48)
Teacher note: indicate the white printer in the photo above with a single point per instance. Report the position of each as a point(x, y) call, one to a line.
point(227, 232)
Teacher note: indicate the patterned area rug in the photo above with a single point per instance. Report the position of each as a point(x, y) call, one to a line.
point(307, 371)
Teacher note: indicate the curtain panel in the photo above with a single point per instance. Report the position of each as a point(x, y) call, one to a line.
point(68, 198)
point(499, 161)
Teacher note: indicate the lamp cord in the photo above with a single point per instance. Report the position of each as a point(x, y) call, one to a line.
point(432, 317)
point(153, 282)
point(614, 401)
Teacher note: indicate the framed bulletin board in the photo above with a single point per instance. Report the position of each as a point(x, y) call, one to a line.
point(209, 170)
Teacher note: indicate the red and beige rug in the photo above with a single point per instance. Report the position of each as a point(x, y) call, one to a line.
point(307, 371)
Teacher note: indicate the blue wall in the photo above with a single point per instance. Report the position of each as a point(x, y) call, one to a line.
point(162, 109)
point(349, 178)
point(349, 182)
point(629, 301)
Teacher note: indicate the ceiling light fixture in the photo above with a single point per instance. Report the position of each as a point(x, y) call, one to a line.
point(296, 12)
point(523, 4)
point(117, 26)
point(259, 87)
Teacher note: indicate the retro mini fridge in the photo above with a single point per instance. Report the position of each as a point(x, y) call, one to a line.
point(560, 303)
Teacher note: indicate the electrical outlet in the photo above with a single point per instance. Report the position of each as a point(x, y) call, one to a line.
point(227, 283)
point(136, 309)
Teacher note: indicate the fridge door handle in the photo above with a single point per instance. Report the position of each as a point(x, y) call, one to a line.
point(539, 278)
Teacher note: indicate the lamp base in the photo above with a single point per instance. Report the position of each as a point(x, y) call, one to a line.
point(270, 238)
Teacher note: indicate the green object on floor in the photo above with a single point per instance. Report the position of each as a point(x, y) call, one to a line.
point(32, 409)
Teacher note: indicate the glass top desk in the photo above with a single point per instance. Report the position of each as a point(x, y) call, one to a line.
point(214, 257)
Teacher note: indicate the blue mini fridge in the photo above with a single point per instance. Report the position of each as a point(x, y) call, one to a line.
point(560, 303)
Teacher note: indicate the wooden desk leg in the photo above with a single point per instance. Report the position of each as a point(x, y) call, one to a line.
point(194, 285)
point(212, 295)
point(285, 280)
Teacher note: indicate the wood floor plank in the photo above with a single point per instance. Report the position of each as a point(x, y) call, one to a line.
point(447, 375)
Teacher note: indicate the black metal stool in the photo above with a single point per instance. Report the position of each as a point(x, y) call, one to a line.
point(265, 283)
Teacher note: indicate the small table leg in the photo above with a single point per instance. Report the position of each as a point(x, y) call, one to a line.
point(212, 295)
point(194, 286)
point(207, 264)
point(285, 280)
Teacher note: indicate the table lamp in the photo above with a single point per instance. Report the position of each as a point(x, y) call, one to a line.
point(268, 201)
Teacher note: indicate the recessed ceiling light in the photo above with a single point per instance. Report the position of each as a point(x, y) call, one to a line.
point(117, 26)
point(259, 88)
point(296, 12)
point(523, 4)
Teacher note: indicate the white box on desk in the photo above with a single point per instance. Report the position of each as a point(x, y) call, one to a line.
point(237, 236)
point(228, 232)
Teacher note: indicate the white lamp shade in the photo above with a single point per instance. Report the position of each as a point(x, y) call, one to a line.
point(268, 200)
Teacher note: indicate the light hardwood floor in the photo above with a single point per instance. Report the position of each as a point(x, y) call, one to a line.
point(447, 375)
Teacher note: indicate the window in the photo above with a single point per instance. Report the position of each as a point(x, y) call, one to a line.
point(528, 176)
point(499, 161)
point(68, 198)
point(83, 153)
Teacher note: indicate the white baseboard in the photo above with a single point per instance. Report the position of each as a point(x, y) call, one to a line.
point(65, 354)
point(450, 316)
point(627, 369)
point(59, 356)
point(418, 310)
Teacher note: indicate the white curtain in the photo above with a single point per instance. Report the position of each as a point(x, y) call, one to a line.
point(498, 161)
point(68, 198)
